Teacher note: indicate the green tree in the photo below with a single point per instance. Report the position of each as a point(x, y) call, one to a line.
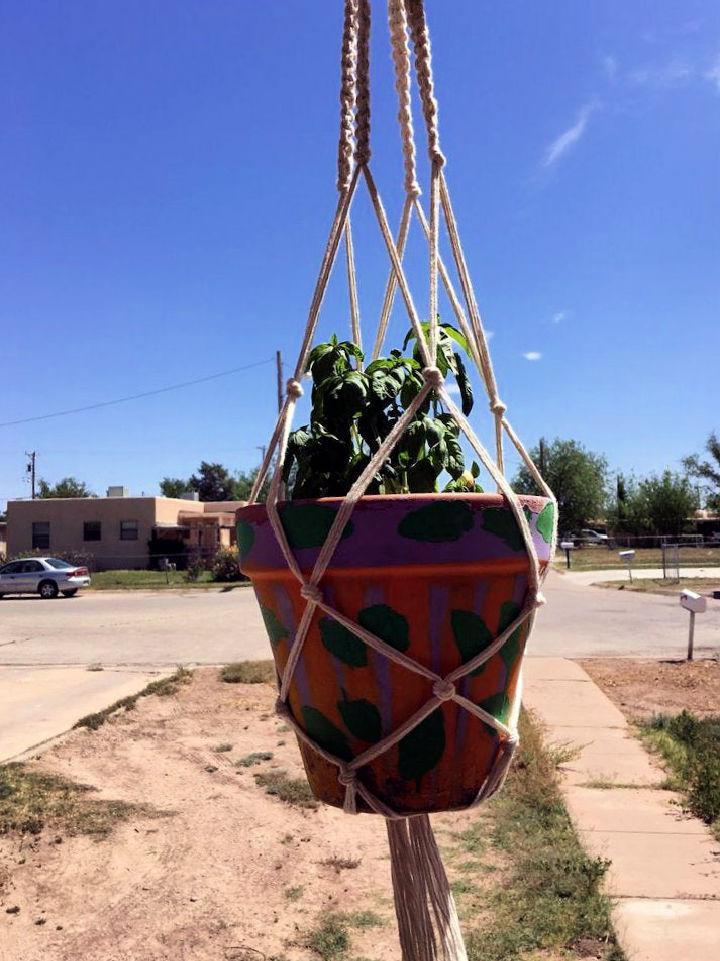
point(66, 487)
point(629, 513)
point(213, 482)
point(707, 470)
point(174, 487)
point(244, 481)
point(670, 500)
point(576, 476)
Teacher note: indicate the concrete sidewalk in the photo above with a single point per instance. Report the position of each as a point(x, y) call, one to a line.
point(39, 703)
point(665, 873)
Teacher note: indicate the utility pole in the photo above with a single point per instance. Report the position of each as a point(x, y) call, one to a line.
point(280, 392)
point(31, 470)
point(541, 456)
point(262, 448)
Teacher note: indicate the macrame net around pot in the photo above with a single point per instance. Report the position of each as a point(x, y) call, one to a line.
point(398, 623)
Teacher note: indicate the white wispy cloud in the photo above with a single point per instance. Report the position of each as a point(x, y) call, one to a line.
point(532, 355)
point(664, 76)
point(560, 316)
point(568, 137)
point(452, 388)
point(713, 74)
point(610, 67)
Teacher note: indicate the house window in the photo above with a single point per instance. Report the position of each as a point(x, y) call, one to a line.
point(128, 530)
point(92, 531)
point(41, 535)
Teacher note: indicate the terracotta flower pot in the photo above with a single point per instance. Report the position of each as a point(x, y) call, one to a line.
point(437, 576)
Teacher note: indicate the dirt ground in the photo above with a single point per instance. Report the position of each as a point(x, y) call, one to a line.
point(231, 873)
point(641, 688)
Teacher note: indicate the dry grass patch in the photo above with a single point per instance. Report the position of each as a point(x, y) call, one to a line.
point(165, 687)
point(249, 672)
point(291, 790)
point(33, 800)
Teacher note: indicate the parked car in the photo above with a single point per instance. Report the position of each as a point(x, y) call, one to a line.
point(588, 536)
point(46, 576)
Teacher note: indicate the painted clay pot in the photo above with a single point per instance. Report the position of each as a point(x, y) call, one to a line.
point(438, 576)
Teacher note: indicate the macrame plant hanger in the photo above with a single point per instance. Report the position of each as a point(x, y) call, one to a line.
point(427, 918)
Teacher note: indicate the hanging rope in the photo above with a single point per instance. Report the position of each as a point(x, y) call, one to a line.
point(423, 899)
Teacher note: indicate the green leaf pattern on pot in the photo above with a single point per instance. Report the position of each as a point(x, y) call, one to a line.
point(342, 643)
point(472, 636)
point(510, 649)
point(421, 749)
point(275, 628)
point(361, 718)
point(437, 523)
point(308, 525)
point(546, 522)
point(389, 625)
point(327, 735)
point(501, 522)
point(498, 705)
point(245, 538)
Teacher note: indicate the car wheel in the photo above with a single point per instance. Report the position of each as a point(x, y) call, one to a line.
point(69, 593)
point(47, 590)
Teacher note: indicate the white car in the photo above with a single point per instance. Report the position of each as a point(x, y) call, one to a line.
point(588, 536)
point(46, 576)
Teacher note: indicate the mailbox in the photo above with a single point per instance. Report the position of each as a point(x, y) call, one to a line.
point(695, 603)
point(567, 545)
point(627, 555)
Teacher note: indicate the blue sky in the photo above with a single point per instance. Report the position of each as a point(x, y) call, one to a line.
point(168, 179)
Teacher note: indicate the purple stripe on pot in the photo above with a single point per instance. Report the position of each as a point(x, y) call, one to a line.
point(287, 616)
point(439, 595)
point(465, 683)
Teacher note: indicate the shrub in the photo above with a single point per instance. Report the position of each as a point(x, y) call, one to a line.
point(226, 565)
point(195, 569)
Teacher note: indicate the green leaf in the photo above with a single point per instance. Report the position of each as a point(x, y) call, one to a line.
point(275, 628)
point(546, 522)
point(463, 382)
point(245, 538)
point(387, 623)
point(322, 730)
point(472, 636)
point(421, 749)
point(422, 476)
point(308, 525)
point(438, 522)
point(361, 718)
point(342, 643)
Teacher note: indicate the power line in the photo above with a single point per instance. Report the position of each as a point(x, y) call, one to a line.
point(145, 393)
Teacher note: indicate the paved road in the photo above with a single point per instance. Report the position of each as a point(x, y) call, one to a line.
point(583, 621)
point(135, 628)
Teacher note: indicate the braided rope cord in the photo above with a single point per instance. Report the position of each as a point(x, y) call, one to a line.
point(403, 15)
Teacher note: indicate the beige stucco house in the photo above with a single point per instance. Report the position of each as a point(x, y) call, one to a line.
point(121, 532)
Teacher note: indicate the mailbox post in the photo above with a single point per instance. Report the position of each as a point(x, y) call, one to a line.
point(628, 557)
point(567, 546)
point(695, 604)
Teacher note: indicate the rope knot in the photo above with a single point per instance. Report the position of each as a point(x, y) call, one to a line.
point(444, 690)
point(311, 593)
point(433, 377)
point(540, 599)
point(294, 388)
point(347, 777)
point(497, 406)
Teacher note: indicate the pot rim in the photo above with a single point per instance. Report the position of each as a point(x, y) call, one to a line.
point(491, 500)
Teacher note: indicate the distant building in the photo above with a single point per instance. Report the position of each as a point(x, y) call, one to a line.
point(122, 532)
point(3, 539)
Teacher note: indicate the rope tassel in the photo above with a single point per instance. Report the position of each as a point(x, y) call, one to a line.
point(427, 919)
